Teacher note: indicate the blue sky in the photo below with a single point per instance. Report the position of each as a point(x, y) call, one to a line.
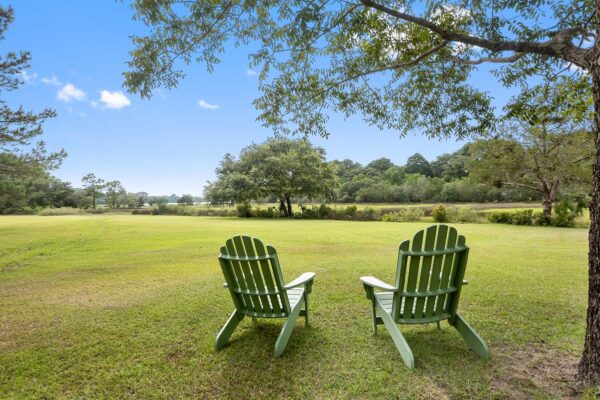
point(169, 144)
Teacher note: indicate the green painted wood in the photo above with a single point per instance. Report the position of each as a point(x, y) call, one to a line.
point(473, 340)
point(425, 272)
point(236, 270)
point(278, 277)
point(399, 341)
point(429, 278)
point(254, 279)
point(245, 265)
point(305, 295)
point(227, 330)
point(266, 266)
point(287, 329)
point(461, 266)
point(401, 267)
point(256, 273)
point(436, 270)
point(446, 270)
point(424, 294)
point(413, 274)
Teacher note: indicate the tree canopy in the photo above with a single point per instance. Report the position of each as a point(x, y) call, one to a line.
point(279, 168)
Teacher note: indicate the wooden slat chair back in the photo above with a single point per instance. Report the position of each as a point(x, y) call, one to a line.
point(254, 280)
point(429, 278)
point(429, 275)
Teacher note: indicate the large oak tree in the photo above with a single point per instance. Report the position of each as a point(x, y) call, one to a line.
point(401, 64)
point(280, 168)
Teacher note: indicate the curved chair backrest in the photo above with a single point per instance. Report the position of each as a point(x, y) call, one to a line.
point(429, 275)
point(254, 278)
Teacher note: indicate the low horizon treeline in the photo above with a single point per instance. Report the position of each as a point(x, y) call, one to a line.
point(42, 190)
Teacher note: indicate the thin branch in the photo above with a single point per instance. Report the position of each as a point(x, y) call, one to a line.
point(559, 46)
point(410, 63)
point(482, 60)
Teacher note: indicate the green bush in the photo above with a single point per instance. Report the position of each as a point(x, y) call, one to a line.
point(350, 211)
point(244, 210)
point(142, 211)
point(500, 217)
point(461, 215)
point(439, 214)
point(60, 211)
point(325, 211)
point(522, 217)
point(405, 215)
point(270, 212)
point(564, 214)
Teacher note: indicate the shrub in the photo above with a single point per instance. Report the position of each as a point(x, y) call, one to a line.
point(461, 214)
point(368, 214)
point(186, 211)
point(522, 217)
point(96, 210)
point(350, 211)
point(406, 215)
point(59, 211)
point(270, 212)
point(564, 214)
point(142, 211)
point(439, 214)
point(244, 210)
point(500, 217)
point(325, 211)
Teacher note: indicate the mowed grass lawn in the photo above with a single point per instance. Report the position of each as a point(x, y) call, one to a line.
point(128, 307)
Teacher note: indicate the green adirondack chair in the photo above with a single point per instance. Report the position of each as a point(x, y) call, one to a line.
point(429, 279)
point(254, 279)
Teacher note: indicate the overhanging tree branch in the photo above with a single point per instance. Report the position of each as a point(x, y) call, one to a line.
point(559, 46)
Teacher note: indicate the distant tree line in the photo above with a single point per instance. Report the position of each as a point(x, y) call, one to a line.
point(501, 169)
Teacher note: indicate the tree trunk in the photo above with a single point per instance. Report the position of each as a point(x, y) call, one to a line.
point(282, 207)
point(94, 200)
point(549, 198)
point(589, 366)
point(290, 212)
point(547, 206)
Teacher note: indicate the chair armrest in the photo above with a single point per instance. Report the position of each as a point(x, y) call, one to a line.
point(376, 283)
point(305, 279)
point(371, 283)
point(465, 282)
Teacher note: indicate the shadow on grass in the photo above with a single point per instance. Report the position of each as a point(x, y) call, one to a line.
point(247, 367)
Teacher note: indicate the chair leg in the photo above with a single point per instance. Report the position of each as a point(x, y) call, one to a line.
point(473, 340)
point(305, 296)
point(227, 330)
point(287, 329)
point(399, 341)
point(374, 315)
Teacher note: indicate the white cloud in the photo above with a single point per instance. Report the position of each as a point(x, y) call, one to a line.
point(251, 73)
point(114, 100)
point(51, 81)
point(28, 78)
point(206, 105)
point(70, 92)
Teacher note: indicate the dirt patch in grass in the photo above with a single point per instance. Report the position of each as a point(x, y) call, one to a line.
point(532, 369)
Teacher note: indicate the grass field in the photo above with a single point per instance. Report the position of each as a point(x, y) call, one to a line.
point(121, 306)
